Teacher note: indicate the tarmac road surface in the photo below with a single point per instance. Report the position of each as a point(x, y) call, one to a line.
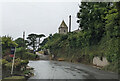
point(47, 69)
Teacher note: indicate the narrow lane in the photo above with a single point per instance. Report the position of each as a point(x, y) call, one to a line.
point(52, 70)
point(46, 69)
point(64, 70)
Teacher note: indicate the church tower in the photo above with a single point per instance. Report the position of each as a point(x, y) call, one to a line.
point(63, 29)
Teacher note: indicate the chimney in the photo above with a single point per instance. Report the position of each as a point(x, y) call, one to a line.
point(24, 35)
point(23, 38)
point(70, 23)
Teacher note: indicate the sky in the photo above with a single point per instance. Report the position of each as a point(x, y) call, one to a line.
point(36, 17)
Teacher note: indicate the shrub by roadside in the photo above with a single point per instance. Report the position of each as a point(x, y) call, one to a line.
point(24, 54)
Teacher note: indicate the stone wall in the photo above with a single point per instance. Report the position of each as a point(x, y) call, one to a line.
point(63, 30)
point(100, 61)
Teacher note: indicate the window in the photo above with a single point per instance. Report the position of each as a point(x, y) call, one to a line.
point(64, 30)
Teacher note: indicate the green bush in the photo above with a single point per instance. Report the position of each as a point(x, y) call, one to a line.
point(20, 52)
point(29, 56)
point(24, 62)
point(18, 63)
point(6, 64)
point(23, 54)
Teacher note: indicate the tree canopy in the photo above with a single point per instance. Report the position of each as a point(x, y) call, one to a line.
point(33, 42)
point(7, 42)
point(21, 42)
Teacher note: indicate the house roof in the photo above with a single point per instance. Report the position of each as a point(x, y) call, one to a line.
point(63, 24)
point(78, 30)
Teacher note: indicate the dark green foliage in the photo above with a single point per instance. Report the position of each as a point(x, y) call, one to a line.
point(113, 37)
point(39, 37)
point(21, 42)
point(30, 56)
point(21, 59)
point(25, 55)
point(34, 41)
point(6, 66)
point(112, 23)
point(7, 42)
point(44, 42)
point(91, 20)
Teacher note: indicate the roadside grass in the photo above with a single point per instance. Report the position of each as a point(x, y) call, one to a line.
point(113, 67)
point(15, 77)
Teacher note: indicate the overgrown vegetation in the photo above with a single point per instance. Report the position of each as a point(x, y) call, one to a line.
point(22, 55)
point(99, 36)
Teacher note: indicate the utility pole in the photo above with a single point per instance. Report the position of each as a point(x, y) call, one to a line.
point(13, 50)
point(70, 23)
point(24, 35)
point(24, 46)
point(23, 39)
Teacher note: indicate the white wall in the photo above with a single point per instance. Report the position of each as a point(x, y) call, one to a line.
point(98, 62)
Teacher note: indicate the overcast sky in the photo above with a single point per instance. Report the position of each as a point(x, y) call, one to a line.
point(35, 17)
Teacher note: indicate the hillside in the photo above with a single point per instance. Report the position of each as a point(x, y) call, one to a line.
point(99, 36)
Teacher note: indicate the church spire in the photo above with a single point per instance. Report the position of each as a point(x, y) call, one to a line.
point(63, 24)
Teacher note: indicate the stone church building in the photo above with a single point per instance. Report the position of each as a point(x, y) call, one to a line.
point(63, 29)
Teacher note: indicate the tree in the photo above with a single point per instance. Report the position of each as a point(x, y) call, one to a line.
point(21, 42)
point(7, 43)
point(113, 33)
point(112, 22)
point(44, 42)
point(32, 41)
point(39, 37)
point(117, 4)
point(91, 19)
